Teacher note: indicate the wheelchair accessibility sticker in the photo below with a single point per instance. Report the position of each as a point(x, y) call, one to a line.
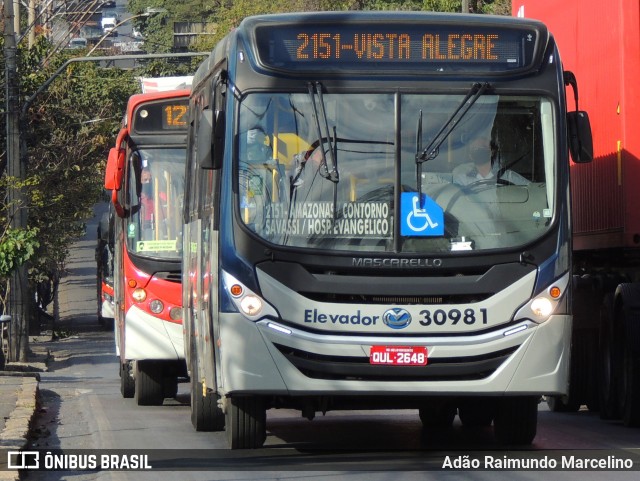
point(417, 221)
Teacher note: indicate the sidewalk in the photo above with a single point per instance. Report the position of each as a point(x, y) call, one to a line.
point(18, 403)
point(19, 381)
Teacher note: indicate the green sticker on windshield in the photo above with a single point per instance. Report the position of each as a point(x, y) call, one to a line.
point(157, 246)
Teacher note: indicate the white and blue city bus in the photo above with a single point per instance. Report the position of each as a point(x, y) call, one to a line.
point(345, 247)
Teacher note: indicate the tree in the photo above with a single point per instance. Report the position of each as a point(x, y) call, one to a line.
point(66, 134)
point(228, 14)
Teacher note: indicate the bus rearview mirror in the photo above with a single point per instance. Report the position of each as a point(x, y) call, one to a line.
point(204, 153)
point(580, 138)
point(218, 139)
point(115, 169)
point(210, 143)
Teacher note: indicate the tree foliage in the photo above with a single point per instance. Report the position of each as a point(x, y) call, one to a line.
point(65, 135)
point(226, 15)
point(17, 246)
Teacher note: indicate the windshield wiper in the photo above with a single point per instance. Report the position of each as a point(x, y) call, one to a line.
point(431, 151)
point(328, 173)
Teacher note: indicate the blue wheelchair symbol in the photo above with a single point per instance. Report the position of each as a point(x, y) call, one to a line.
point(416, 221)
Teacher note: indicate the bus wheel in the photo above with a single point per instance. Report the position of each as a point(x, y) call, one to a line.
point(246, 422)
point(127, 383)
point(149, 386)
point(206, 414)
point(107, 323)
point(516, 420)
point(477, 412)
point(437, 413)
point(170, 387)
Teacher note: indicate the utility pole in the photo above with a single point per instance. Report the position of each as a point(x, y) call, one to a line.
point(32, 22)
point(16, 17)
point(17, 286)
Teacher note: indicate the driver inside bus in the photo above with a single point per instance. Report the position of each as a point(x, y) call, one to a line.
point(484, 165)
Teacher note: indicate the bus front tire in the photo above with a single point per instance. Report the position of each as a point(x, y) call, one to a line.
point(516, 420)
point(476, 412)
point(127, 383)
point(149, 385)
point(246, 422)
point(437, 413)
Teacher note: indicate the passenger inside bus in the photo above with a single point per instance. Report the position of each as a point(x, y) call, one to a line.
point(254, 147)
point(151, 213)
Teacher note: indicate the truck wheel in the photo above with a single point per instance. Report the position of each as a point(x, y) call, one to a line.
point(629, 323)
point(246, 422)
point(127, 383)
point(477, 412)
point(206, 414)
point(437, 413)
point(631, 387)
point(149, 388)
point(609, 362)
point(516, 420)
point(630, 382)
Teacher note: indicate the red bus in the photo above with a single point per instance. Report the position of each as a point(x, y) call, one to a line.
point(104, 269)
point(145, 173)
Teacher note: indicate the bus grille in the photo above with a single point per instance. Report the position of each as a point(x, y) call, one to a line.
point(317, 366)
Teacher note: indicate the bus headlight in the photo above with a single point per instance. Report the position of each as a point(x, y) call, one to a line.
point(156, 306)
point(541, 307)
point(250, 304)
point(545, 303)
point(139, 295)
point(175, 313)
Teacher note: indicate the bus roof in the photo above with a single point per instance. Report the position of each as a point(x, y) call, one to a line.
point(161, 84)
point(385, 17)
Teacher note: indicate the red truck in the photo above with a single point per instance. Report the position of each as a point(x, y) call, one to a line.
point(600, 43)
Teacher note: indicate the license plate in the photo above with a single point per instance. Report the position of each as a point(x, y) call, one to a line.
point(398, 355)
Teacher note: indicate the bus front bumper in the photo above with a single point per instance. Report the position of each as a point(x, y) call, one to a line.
point(272, 359)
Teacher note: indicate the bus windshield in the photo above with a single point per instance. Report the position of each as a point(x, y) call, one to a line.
point(155, 195)
point(328, 170)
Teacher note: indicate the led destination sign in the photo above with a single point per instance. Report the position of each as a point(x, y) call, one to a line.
point(167, 115)
point(361, 47)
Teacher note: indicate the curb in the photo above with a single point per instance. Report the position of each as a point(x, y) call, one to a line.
point(14, 436)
